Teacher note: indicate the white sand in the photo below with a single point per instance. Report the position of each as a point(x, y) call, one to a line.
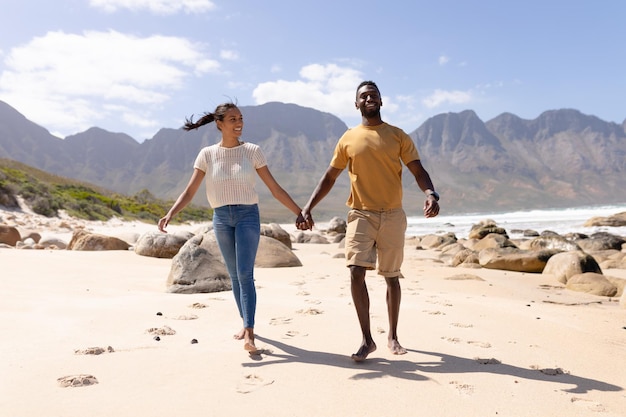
point(53, 303)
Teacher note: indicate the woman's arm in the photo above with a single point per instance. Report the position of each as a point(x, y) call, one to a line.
point(279, 193)
point(185, 197)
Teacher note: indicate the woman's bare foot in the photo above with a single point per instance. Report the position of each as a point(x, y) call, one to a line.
point(395, 348)
point(248, 336)
point(363, 351)
point(240, 335)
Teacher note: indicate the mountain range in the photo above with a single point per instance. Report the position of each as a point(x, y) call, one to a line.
point(563, 158)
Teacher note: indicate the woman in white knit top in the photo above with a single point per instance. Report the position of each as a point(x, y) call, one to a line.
point(230, 168)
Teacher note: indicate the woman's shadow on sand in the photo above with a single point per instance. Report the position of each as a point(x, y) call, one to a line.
point(376, 367)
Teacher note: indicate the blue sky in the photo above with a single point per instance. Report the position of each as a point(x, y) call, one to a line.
point(135, 66)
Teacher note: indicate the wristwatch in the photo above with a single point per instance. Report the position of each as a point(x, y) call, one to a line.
point(434, 194)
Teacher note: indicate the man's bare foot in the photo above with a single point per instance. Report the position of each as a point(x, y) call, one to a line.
point(363, 351)
point(395, 348)
point(240, 335)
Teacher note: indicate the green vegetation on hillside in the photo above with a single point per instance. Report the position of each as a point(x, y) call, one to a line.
point(46, 194)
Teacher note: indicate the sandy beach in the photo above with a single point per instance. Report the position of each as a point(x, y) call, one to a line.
point(480, 342)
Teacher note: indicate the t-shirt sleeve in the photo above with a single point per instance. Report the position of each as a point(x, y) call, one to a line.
point(202, 160)
point(258, 158)
point(408, 151)
point(340, 158)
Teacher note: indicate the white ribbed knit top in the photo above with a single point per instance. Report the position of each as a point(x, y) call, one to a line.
point(230, 173)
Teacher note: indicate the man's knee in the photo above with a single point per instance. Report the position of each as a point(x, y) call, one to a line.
point(392, 281)
point(357, 272)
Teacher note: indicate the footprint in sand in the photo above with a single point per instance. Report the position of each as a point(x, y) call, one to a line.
point(452, 339)
point(310, 312)
point(279, 320)
point(313, 301)
point(464, 277)
point(252, 383)
point(297, 283)
point(461, 325)
point(479, 344)
point(94, 350)
point(443, 303)
point(434, 312)
point(549, 371)
point(161, 331)
point(73, 381)
point(589, 404)
point(303, 293)
point(488, 361)
point(198, 305)
point(186, 317)
point(465, 389)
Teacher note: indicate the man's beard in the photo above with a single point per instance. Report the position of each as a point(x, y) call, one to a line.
point(371, 112)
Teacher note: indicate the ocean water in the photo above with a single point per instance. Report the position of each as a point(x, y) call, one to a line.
point(558, 220)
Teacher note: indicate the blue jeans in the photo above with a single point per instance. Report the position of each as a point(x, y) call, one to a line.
point(237, 231)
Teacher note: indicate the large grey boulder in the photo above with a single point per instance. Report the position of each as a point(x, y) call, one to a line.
point(274, 231)
point(274, 254)
point(512, 259)
point(565, 265)
point(337, 225)
point(591, 283)
point(87, 241)
point(615, 220)
point(161, 245)
point(198, 267)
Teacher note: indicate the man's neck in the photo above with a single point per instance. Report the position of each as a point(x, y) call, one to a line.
point(372, 121)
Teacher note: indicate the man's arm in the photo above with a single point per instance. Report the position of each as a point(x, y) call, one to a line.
point(431, 206)
point(324, 186)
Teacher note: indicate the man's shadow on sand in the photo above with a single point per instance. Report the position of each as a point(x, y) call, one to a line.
point(375, 367)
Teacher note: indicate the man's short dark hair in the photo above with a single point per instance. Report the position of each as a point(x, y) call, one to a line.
point(372, 83)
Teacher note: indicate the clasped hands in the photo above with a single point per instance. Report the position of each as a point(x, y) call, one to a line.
point(304, 221)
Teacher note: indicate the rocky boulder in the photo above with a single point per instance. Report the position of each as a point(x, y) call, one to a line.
point(565, 265)
point(273, 254)
point(591, 283)
point(601, 241)
point(274, 231)
point(485, 227)
point(337, 225)
point(310, 237)
point(199, 267)
point(87, 241)
point(616, 220)
point(512, 259)
point(9, 235)
point(435, 241)
point(552, 241)
point(161, 245)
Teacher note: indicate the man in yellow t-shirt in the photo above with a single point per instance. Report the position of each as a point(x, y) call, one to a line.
point(374, 153)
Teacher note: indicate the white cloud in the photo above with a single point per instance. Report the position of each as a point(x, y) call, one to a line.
point(441, 97)
point(68, 82)
point(229, 55)
point(443, 60)
point(164, 7)
point(329, 88)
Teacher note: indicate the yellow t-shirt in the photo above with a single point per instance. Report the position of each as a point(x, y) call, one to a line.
point(374, 157)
